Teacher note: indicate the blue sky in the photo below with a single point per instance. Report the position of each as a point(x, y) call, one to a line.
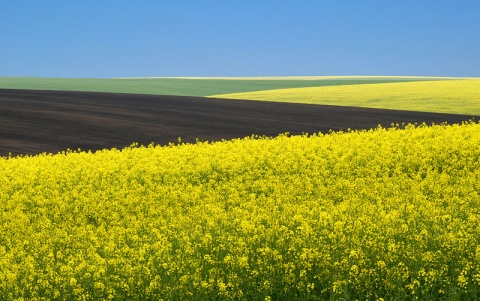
point(117, 38)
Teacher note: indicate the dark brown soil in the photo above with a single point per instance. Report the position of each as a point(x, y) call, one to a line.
point(33, 122)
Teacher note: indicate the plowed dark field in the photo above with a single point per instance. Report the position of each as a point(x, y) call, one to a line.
point(33, 122)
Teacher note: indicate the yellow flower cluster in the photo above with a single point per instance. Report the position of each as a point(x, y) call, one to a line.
point(384, 214)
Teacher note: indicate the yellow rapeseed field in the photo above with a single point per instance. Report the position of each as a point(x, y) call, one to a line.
point(461, 96)
point(384, 214)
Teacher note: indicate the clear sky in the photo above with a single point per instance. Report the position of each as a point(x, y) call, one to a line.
point(123, 38)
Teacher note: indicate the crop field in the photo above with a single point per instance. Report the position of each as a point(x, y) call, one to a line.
point(383, 214)
point(34, 122)
point(460, 96)
point(213, 202)
point(196, 86)
point(426, 94)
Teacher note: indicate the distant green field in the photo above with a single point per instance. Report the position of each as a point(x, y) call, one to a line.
point(190, 86)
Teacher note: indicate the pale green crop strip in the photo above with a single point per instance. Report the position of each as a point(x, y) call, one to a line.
point(186, 86)
point(384, 214)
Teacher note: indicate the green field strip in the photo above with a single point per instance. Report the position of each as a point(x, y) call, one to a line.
point(190, 86)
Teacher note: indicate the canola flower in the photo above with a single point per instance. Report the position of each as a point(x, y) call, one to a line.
point(383, 214)
point(459, 96)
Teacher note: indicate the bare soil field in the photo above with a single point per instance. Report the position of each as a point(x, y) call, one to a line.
point(33, 121)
